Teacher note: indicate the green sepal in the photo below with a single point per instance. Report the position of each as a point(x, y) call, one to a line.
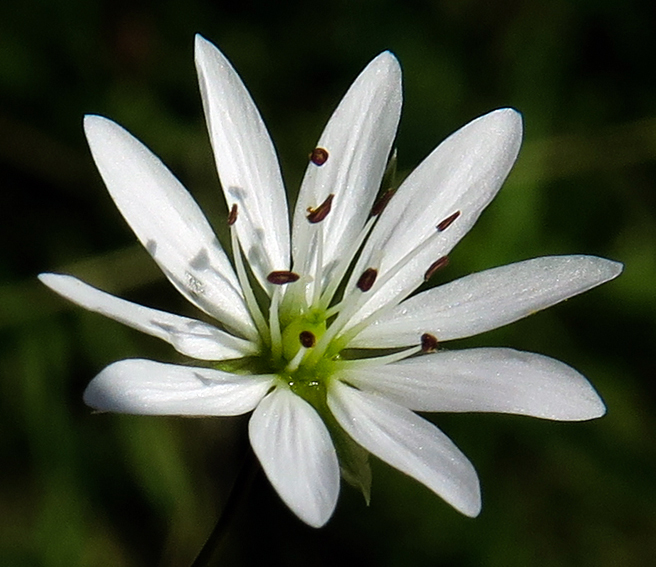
point(353, 460)
point(245, 365)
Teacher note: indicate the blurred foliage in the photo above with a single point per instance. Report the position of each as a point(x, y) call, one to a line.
point(96, 490)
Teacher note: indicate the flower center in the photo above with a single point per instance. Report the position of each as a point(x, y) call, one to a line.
point(302, 339)
point(302, 333)
point(299, 337)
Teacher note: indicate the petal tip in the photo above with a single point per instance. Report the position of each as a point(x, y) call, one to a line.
point(615, 268)
point(97, 128)
point(470, 501)
point(603, 269)
point(46, 277)
point(386, 63)
point(201, 44)
point(595, 408)
point(95, 396)
point(107, 392)
point(57, 282)
point(474, 509)
point(511, 118)
point(315, 521)
point(204, 51)
point(91, 119)
point(388, 58)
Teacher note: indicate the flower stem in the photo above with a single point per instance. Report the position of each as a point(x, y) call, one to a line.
point(245, 477)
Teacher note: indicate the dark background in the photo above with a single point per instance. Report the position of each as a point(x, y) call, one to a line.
point(98, 490)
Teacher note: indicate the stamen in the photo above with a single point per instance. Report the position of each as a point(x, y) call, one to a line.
point(348, 306)
point(446, 223)
point(386, 277)
point(232, 215)
point(319, 156)
point(381, 202)
point(320, 212)
point(249, 296)
point(380, 360)
point(367, 279)
point(318, 274)
point(335, 309)
point(428, 343)
point(274, 325)
point(295, 300)
point(435, 266)
point(282, 277)
point(334, 328)
point(307, 339)
point(345, 261)
point(308, 264)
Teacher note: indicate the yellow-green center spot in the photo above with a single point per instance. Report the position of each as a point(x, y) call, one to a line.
point(306, 380)
point(314, 323)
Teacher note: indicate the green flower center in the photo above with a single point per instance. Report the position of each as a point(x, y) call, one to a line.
point(311, 325)
point(305, 376)
point(303, 327)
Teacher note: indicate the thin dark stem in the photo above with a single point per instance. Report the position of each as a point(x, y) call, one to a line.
point(245, 478)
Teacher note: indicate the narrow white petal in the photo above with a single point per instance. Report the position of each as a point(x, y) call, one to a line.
point(485, 380)
point(188, 336)
point(144, 387)
point(409, 443)
point(246, 162)
point(297, 454)
point(487, 300)
point(463, 174)
point(168, 222)
point(358, 139)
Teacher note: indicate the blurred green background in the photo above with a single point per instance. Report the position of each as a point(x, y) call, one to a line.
point(99, 490)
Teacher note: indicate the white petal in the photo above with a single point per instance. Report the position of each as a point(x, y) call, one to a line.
point(358, 138)
point(408, 443)
point(463, 174)
point(168, 222)
point(189, 336)
point(297, 454)
point(485, 380)
point(144, 387)
point(246, 162)
point(487, 300)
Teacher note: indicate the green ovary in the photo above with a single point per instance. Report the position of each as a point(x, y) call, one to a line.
point(314, 323)
point(307, 381)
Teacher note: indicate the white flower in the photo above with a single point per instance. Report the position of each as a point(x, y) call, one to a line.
point(317, 406)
